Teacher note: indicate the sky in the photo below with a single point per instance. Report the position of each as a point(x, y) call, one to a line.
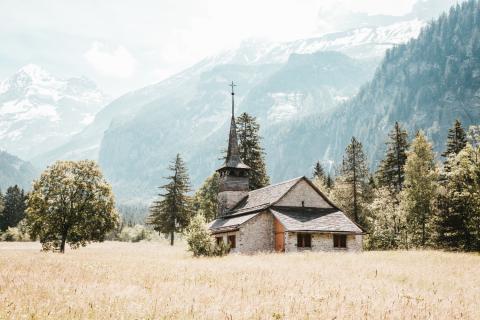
point(125, 45)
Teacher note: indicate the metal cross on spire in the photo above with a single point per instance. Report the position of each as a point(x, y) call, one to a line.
point(233, 85)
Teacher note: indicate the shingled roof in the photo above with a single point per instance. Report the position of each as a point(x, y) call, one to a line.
point(314, 219)
point(262, 198)
point(292, 218)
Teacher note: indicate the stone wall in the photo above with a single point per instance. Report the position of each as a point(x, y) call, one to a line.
point(257, 234)
point(323, 242)
point(303, 192)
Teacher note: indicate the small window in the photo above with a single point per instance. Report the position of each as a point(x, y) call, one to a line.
point(339, 240)
point(231, 241)
point(304, 240)
point(219, 240)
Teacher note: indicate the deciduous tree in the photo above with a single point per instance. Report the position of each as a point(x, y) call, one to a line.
point(419, 194)
point(71, 203)
point(205, 200)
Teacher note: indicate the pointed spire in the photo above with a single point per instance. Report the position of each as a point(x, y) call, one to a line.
point(233, 159)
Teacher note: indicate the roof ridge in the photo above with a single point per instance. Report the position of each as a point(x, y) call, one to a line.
point(277, 184)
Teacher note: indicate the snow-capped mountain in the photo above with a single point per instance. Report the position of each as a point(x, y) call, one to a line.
point(135, 136)
point(361, 43)
point(39, 112)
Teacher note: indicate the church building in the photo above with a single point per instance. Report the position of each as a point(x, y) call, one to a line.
point(289, 216)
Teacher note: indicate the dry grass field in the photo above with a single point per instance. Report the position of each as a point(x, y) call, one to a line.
point(154, 281)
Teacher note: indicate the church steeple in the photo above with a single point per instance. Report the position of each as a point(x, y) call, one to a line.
point(234, 173)
point(233, 159)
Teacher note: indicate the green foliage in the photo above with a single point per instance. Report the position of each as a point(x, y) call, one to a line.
point(458, 224)
point(14, 207)
point(172, 212)
point(200, 241)
point(71, 203)
point(205, 200)
point(318, 172)
point(198, 237)
point(385, 221)
point(351, 191)
point(135, 233)
point(391, 172)
point(419, 194)
point(456, 139)
point(251, 152)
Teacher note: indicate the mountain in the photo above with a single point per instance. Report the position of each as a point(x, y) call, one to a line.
point(39, 112)
point(135, 136)
point(15, 171)
point(425, 84)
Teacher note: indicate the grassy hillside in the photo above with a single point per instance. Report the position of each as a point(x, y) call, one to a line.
point(154, 281)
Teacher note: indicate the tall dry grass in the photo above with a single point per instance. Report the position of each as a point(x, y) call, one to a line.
point(154, 281)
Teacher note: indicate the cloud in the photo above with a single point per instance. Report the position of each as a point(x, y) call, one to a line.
point(111, 62)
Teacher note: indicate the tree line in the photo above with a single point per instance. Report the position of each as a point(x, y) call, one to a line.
point(411, 200)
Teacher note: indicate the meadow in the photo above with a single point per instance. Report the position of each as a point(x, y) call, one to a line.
point(144, 280)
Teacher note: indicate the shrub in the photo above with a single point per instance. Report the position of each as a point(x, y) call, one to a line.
point(135, 234)
point(199, 240)
point(14, 234)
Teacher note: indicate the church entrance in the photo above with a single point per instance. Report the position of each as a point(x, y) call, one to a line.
point(279, 236)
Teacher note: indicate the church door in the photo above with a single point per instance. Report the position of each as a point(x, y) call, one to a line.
point(279, 236)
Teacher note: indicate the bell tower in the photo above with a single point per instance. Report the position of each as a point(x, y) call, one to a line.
point(234, 173)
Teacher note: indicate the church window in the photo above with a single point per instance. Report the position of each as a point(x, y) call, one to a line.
point(304, 240)
point(219, 240)
point(232, 242)
point(339, 241)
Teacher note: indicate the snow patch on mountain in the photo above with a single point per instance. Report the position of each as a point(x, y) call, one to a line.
point(38, 111)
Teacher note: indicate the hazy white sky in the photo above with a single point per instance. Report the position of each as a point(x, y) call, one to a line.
point(123, 45)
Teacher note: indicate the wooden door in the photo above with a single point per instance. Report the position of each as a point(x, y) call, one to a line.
point(279, 236)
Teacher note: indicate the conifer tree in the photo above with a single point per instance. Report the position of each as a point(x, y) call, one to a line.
point(2, 206)
point(205, 201)
point(419, 193)
point(391, 172)
point(251, 152)
point(458, 226)
point(318, 172)
point(14, 208)
point(329, 182)
point(351, 187)
point(172, 212)
point(456, 140)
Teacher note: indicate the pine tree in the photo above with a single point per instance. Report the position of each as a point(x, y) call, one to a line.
point(318, 172)
point(2, 206)
point(456, 141)
point(14, 208)
point(251, 152)
point(351, 186)
point(329, 182)
point(172, 212)
point(205, 201)
point(391, 172)
point(419, 193)
point(458, 224)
